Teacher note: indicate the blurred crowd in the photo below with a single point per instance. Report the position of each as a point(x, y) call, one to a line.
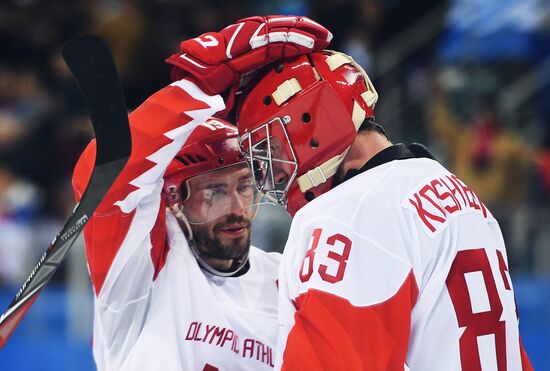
point(486, 116)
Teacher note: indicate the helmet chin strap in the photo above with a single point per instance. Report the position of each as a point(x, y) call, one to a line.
point(236, 266)
point(321, 173)
point(177, 210)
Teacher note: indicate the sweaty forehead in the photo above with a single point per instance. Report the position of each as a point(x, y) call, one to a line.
point(226, 175)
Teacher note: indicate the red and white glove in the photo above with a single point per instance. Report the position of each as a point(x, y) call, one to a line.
point(215, 61)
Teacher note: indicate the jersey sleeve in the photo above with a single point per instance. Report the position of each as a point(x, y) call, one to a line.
point(353, 305)
point(125, 238)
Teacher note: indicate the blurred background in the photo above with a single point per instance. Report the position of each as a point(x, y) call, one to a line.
point(468, 78)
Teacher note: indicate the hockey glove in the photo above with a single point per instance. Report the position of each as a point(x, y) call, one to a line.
point(216, 61)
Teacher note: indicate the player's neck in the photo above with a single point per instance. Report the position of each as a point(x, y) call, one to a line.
point(218, 264)
point(366, 146)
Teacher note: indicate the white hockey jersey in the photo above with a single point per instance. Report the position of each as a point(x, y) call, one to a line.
point(155, 309)
point(401, 266)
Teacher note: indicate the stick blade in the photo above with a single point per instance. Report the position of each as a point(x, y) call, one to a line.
point(93, 67)
point(90, 61)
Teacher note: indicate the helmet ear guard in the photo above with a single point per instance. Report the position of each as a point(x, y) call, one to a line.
point(322, 99)
point(176, 194)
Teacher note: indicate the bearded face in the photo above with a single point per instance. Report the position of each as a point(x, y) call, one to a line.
point(220, 209)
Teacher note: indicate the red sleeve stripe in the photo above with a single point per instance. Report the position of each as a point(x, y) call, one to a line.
point(330, 333)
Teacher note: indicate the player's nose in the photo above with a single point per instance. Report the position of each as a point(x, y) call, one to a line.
point(238, 204)
point(281, 175)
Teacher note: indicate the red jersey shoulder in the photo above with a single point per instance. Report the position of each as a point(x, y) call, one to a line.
point(83, 170)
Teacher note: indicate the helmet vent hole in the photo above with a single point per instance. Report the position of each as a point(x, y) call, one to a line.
point(182, 160)
point(306, 117)
point(267, 100)
point(314, 143)
point(309, 196)
point(191, 159)
point(195, 159)
point(279, 68)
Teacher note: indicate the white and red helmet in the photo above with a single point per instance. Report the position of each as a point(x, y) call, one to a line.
point(211, 146)
point(312, 107)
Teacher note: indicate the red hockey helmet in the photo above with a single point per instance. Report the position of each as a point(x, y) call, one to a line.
point(300, 118)
point(211, 146)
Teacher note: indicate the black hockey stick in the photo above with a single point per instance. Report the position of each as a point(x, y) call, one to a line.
point(94, 70)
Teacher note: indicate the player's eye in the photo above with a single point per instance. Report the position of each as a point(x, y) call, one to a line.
point(213, 195)
point(246, 188)
point(261, 146)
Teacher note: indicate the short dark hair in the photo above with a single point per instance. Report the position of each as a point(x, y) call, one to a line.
point(369, 124)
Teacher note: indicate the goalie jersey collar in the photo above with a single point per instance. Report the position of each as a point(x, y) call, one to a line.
point(395, 152)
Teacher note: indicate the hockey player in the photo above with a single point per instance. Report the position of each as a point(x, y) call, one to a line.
point(392, 262)
point(182, 290)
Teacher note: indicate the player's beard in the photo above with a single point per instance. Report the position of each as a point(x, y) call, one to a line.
point(339, 176)
point(208, 241)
